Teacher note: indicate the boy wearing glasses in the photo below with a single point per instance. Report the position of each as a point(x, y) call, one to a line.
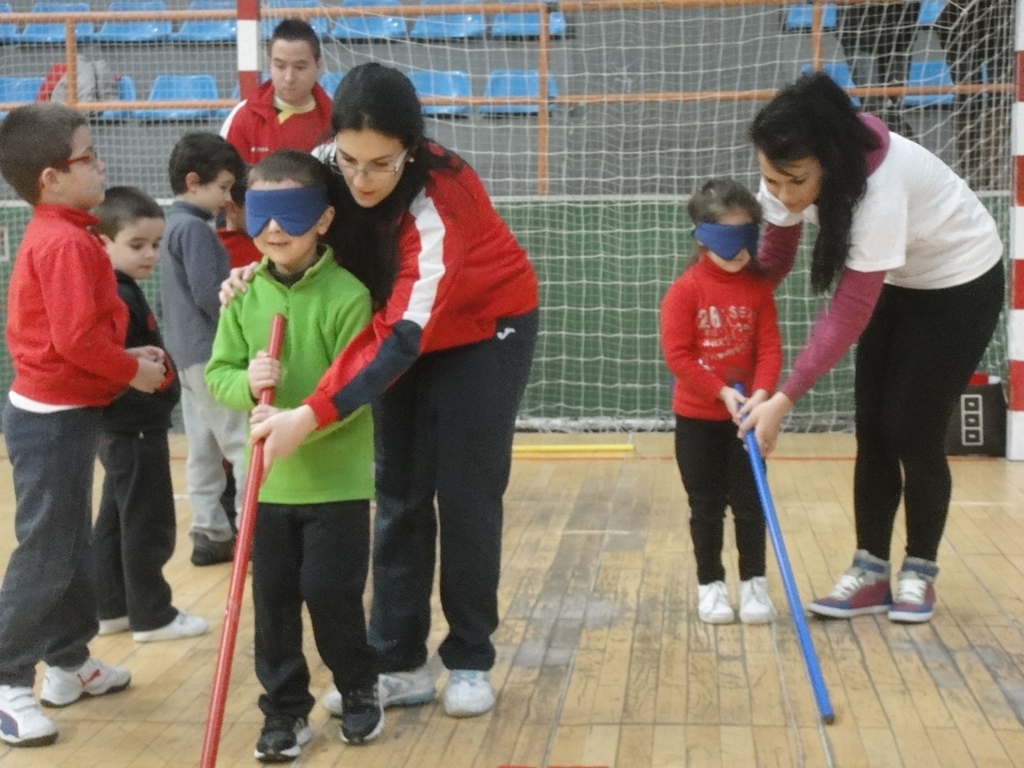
point(203, 167)
point(66, 331)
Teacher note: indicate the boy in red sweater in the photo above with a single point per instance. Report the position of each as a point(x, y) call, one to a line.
point(719, 329)
point(66, 331)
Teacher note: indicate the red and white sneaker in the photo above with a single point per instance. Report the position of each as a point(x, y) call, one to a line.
point(94, 678)
point(863, 589)
point(915, 591)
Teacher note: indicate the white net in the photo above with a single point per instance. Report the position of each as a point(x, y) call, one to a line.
point(645, 101)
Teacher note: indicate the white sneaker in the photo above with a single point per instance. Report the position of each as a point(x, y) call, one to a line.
point(756, 606)
point(713, 603)
point(397, 689)
point(94, 678)
point(183, 625)
point(113, 626)
point(21, 722)
point(468, 693)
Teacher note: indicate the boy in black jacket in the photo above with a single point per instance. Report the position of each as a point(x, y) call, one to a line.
point(135, 528)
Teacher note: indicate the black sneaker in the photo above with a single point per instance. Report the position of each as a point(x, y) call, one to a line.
point(362, 716)
point(282, 739)
point(206, 551)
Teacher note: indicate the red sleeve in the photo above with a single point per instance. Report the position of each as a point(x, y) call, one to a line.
point(768, 364)
point(236, 129)
point(90, 289)
point(835, 329)
point(432, 253)
point(777, 253)
point(679, 341)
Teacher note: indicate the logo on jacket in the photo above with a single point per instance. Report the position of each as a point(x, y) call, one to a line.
point(504, 333)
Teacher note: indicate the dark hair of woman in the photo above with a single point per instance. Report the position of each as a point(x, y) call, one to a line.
point(814, 117)
point(382, 99)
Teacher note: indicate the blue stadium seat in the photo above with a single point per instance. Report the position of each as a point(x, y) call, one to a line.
point(125, 92)
point(799, 16)
point(515, 83)
point(452, 84)
point(369, 27)
point(930, 72)
point(329, 81)
point(181, 88)
point(838, 71)
point(526, 26)
point(320, 24)
point(19, 89)
point(8, 29)
point(208, 30)
point(53, 31)
point(929, 13)
point(458, 26)
point(118, 31)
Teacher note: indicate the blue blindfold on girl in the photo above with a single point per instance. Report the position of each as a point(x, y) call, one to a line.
point(727, 240)
point(295, 210)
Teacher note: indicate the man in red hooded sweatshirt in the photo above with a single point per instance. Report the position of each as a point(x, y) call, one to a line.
point(291, 111)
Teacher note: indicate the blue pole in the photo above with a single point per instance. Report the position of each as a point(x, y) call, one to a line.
point(796, 608)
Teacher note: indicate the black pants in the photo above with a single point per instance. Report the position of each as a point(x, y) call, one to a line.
point(47, 605)
point(133, 535)
point(913, 362)
point(716, 473)
point(445, 429)
point(318, 554)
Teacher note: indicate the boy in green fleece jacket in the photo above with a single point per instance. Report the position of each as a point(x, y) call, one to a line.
point(312, 532)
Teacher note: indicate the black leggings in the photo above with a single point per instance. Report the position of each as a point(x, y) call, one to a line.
point(913, 361)
point(716, 473)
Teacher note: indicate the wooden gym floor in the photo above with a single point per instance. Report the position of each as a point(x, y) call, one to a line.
point(601, 659)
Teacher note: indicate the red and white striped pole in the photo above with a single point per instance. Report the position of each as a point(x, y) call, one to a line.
point(248, 47)
point(1015, 329)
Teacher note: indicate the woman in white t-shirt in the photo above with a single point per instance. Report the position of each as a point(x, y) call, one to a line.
point(914, 262)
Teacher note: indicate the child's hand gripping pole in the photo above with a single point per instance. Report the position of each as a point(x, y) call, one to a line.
point(796, 608)
point(239, 567)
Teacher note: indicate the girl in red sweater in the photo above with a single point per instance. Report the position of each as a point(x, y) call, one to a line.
point(719, 329)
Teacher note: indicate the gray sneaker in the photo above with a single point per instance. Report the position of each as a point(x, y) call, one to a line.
point(206, 551)
point(397, 689)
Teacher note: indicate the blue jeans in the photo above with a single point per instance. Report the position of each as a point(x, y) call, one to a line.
point(445, 429)
point(47, 606)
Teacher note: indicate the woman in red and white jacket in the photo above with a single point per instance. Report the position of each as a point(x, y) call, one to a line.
point(445, 362)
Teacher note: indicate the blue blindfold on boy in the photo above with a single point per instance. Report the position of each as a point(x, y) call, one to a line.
point(727, 240)
point(295, 210)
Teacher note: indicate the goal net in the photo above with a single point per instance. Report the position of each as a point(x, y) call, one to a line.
point(590, 122)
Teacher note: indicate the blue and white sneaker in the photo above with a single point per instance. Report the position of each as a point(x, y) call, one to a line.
point(468, 693)
point(22, 724)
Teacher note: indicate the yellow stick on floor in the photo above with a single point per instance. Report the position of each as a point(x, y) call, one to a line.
point(581, 448)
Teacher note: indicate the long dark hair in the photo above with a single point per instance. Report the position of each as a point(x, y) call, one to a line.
point(813, 117)
point(382, 99)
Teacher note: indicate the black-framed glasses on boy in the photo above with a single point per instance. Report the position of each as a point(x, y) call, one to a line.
point(89, 158)
point(374, 168)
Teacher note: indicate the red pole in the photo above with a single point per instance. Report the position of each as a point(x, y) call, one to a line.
point(239, 568)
